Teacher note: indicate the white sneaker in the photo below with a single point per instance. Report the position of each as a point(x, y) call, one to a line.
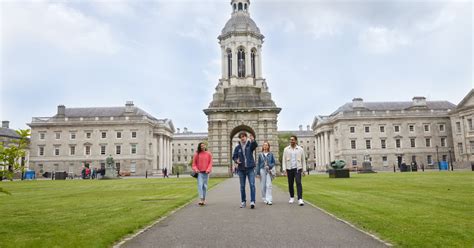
point(301, 202)
point(252, 205)
point(269, 203)
point(242, 204)
point(291, 200)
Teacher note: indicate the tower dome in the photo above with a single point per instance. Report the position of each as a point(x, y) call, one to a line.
point(240, 21)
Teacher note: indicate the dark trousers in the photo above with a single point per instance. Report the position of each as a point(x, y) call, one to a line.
point(292, 175)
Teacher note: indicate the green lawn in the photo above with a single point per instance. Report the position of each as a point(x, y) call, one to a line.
point(86, 213)
point(430, 209)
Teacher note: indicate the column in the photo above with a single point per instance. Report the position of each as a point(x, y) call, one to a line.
point(160, 152)
point(154, 152)
point(170, 155)
point(327, 147)
point(258, 60)
point(318, 151)
point(324, 150)
point(248, 58)
point(332, 146)
point(224, 62)
point(234, 62)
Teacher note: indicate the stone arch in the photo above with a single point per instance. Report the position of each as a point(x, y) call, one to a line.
point(234, 132)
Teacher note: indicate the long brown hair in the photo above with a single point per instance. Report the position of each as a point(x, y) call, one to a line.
point(266, 142)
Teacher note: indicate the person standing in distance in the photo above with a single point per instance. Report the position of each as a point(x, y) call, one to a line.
point(294, 165)
point(243, 157)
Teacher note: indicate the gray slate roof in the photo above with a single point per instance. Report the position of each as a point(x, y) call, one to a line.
point(384, 106)
point(240, 22)
point(7, 132)
point(104, 112)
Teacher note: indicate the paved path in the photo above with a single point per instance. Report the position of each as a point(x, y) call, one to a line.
point(223, 224)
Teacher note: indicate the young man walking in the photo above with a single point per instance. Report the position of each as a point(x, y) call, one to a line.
point(243, 157)
point(294, 165)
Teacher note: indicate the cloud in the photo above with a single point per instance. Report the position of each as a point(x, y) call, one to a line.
point(56, 25)
point(381, 40)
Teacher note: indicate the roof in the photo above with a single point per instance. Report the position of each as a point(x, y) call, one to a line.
point(190, 135)
point(384, 106)
point(240, 22)
point(104, 112)
point(10, 133)
point(298, 133)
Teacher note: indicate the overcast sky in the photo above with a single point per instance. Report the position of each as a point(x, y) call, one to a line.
point(164, 55)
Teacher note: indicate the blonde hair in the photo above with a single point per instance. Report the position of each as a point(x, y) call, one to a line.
point(266, 142)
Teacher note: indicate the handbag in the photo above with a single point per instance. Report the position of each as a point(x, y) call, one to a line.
point(194, 174)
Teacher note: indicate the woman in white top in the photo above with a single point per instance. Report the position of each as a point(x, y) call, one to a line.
point(266, 172)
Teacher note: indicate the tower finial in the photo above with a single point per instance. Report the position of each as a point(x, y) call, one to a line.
point(240, 6)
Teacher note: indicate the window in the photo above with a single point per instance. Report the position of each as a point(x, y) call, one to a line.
point(384, 161)
point(383, 144)
point(429, 159)
point(229, 63)
point(41, 168)
point(192, 150)
point(441, 128)
point(460, 148)
point(443, 142)
point(185, 158)
point(42, 135)
point(354, 162)
point(252, 62)
point(353, 144)
point(41, 151)
point(413, 158)
point(119, 135)
point(382, 129)
point(428, 142)
point(352, 129)
point(471, 144)
point(134, 149)
point(179, 158)
point(241, 62)
point(367, 129)
point(398, 143)
point(458, 127)
point(88, 135)
point(397, 128)
point(102, 149)
point(412, 142)
point(88, 150)
point(104, 135)
point(367, 144)
point(444, 158)
point(118, 149)
point(426, 127)
point(72, 150)
point(469, 124)
point(58, 135)
point(411, 128)
point(56, 151)
point(134, 134)
point(73, 136)
point(133, 167)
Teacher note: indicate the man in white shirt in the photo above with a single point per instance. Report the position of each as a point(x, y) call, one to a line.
point(293, 165)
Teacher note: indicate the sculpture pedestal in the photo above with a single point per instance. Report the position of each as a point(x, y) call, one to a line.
point(342, 173)
point(110, 173)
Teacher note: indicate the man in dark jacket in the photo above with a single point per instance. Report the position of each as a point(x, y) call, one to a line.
point(243, 157)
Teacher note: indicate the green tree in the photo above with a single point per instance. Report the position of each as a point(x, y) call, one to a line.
point(11, 155)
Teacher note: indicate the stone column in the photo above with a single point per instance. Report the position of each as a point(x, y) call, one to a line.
point(326, 155)
point(324, 150)
point(154, 152)
point(258, 61)
point(160, 152)
point(318, 156)
point(234, 62)
point(170, 154)
point(248, 63)
point(224, 62)
point(332, 147)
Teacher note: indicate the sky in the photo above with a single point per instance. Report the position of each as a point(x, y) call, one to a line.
point(165, 57)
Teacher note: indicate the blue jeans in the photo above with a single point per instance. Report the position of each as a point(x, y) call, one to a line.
point(202, 184)
point(250, 173)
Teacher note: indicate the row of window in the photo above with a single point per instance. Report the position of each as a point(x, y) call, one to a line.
point(470, 147)
point(56, 167)
point(429, 159)
point(87, 150)
point(469, 125)
point(87, 135)
point(397, 128)
point(398, 143)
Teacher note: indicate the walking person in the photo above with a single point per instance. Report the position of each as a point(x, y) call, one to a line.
point(265, 170)
point(243, 157)
point(294, 165)
point(202, 164)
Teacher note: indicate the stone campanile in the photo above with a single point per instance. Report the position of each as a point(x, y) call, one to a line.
point(242, 101)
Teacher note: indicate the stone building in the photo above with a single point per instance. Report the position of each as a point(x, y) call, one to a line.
point(185, 144)
point(242, 101)
point(385, 133)
point(7, 135)
point(463, 131)
point(74, 137)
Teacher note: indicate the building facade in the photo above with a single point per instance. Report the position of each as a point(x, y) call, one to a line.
point(463, 131)
point(306, 140)
point(75, 137)
point(385, 134)
point(7, 138)
point(185, 145)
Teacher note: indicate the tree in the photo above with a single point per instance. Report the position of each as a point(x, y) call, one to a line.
point(12, 154)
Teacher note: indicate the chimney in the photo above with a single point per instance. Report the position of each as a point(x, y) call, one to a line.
point(185, 130)
point(357, 103)
point(178, 129)
point(5, 124)
point(301, 127)
point(129, 107)
point(307, 128)
point(61, 111)
point(419, 101)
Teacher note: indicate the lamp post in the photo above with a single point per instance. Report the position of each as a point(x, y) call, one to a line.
point(451, 160)
point(437, 157)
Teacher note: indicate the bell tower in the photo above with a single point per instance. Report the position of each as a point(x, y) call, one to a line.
point(242, 101)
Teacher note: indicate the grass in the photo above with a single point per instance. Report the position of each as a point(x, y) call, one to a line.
point(86, 213)
point(431, 209)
